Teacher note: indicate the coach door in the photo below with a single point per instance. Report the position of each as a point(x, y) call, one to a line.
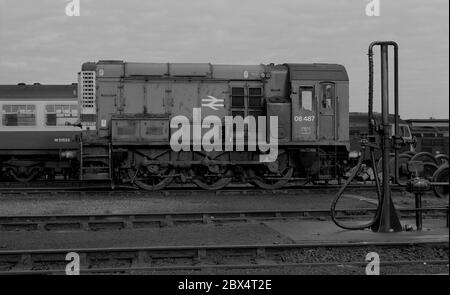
point(304, 111)
point(327, 111)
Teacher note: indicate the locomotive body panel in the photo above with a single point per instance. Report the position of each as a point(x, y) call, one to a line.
point(36, 142)
point(319, 96)
point(176, 89)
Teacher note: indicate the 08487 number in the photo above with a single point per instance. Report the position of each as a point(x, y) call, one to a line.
point(304, 118)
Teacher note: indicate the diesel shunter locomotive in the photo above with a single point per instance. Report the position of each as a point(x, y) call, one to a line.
point(127, 112)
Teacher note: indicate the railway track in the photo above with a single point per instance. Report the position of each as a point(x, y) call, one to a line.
point(229, 257)
point(107, 190)
point(145, 220)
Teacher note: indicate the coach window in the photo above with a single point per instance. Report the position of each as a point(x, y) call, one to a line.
point(59, 115)
point(50, 115)
point(327, 95)
point(306, 98)
point(19, 115)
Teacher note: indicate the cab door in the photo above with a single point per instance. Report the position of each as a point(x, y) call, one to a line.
point(107, 103)
point(327, 111)
point(304, 111)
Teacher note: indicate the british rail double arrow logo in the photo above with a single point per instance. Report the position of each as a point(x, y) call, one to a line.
point(213, 103)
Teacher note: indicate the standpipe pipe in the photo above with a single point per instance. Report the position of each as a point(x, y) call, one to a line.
point(344, 187)
point(383, 196)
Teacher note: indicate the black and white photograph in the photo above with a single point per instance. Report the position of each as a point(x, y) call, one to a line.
point(222, 145)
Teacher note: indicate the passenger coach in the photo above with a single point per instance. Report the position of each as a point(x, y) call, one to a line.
point(37, 138)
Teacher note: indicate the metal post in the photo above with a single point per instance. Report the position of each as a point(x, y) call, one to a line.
point(397, 129)
point(388, 221)
point(419, 211)
point(448, 216)
point(385, 119)
point(370, 111)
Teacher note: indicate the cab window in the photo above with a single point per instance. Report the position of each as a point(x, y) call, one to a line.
point(327, 95)
point(306, 98)
point(404, 131)
point(247, 101)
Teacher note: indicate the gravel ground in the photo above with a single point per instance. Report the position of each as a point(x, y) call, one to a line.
point(193, 203)
point(340, 255)
point(428, 200)
point(134, 203)
point(326, 270)
point(213, 234)
point(422, 256)
point(236, 234)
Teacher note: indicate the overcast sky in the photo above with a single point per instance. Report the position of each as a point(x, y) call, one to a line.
point(39, 43)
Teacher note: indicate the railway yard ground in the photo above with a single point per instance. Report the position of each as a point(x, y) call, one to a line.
point(236, 231)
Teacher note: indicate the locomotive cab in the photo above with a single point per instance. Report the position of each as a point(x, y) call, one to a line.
point(319, 96)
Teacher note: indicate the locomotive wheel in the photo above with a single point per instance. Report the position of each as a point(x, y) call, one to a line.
point(441, 175)
point(406, 155)
point(404, 174)
point(424, 157)
point(441, 159)
point(410, 153)
point(149, 181)
point(428, 170)
point(261, 181)
point(210, 181)
point(27, 178)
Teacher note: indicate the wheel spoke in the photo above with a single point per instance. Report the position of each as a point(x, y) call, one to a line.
point(441, 175)
point(151, 181)
point(211, 182)
point(271, 182)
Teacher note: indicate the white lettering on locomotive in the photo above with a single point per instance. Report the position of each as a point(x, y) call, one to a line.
point(65, 139)
point(304, 118)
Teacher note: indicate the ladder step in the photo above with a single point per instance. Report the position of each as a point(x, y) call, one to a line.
point(97, 172)
point(96, 176)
